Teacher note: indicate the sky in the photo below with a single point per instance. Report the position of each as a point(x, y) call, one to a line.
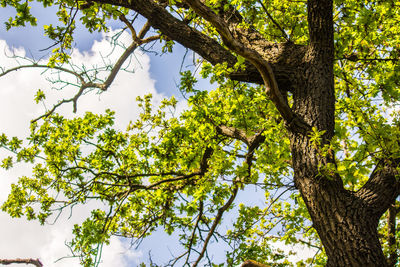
point(152, 74)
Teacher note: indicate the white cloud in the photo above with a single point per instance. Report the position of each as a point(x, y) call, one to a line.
point(23, 239)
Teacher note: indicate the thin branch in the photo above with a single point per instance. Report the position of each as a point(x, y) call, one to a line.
point(309, 244)
point(196, 225)
point(179, 178)
point(174, 261)
point(215, 224)
point(266, 211)
point(354, 58)
point(314, 257)
point(84, 85)
point(129, 25)
point(117, 67)
point(36, 65)
point(139, 186)
point(273, 21)
point(127, 53)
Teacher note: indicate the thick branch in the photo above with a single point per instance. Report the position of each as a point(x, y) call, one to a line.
point(177, 30)
point(232, 36)
point(35, 262)
point(281, 56)
point(233, 132)
point(251, 141)
point(382, 188)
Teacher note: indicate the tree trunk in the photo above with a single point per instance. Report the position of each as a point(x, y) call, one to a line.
point(345, 221)
point(348, 233)
point(346, 228)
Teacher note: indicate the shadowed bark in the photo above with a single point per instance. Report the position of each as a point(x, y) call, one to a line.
point(391, 222)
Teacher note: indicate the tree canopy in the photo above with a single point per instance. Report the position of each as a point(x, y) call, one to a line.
point(304, 108)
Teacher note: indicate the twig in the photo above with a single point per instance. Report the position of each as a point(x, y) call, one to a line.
point(194, 231)
point(84, 84)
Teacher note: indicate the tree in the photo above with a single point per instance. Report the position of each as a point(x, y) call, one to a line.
point(305, 106)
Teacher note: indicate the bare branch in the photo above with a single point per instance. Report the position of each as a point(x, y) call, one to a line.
point(36, 65)
point(126, 54)
point(53, 109)
point(85, 85)
point(176, 259)
point(117, 67)
point(35, 262)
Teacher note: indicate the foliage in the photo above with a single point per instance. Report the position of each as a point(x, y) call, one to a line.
point(182, 172)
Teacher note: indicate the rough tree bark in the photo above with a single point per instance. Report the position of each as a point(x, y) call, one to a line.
point(346, 221)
